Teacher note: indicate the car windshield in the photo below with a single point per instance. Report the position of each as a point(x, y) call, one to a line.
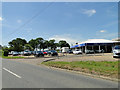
point(117, 47)
point(25, 51)
point(15, 52)
point(46, 50)
point(53, 51)
point(39, 51)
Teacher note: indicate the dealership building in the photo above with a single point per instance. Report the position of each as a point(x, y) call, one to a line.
point(96, 45)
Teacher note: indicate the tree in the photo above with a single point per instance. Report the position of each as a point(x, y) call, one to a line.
point(17, 44)
point(33, 43)
point(46, 44)
point(6, 53)
point(0, 46)
point(5, 48)
point(40, 44)
point(28, 47)
point(52, 44)
point(63, 43)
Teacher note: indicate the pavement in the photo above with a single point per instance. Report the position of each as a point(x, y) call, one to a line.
point(24, 75)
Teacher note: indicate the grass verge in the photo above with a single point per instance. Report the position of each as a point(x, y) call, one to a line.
point(14, 57)
point(104, 68)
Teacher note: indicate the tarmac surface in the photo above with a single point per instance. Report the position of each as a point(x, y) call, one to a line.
point(17, 74)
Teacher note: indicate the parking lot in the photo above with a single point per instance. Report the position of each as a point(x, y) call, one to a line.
point(88, 57)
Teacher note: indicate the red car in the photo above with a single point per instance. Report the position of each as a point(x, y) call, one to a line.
point(44, 52)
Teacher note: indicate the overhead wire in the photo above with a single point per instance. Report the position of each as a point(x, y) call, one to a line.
point(29, 20)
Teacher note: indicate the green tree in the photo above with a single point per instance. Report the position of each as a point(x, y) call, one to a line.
point(5, 48)
point(17, 44)
point(40, 42)
point(28, 47)
point(52, 44)
point(63, 43)
point(33, 43)
point(46, 44)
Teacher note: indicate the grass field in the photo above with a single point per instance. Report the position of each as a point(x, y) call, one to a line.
point(105, 68)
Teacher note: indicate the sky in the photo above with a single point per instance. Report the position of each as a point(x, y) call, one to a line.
point(70, 21)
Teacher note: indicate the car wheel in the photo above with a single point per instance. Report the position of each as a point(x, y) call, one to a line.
point(114, 57)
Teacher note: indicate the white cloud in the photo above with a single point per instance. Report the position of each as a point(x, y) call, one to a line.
point(66, 37)
point(89, 12)
point(102, 31)
point(19, 21)
point(1, 18)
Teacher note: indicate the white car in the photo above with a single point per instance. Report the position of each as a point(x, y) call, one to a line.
point(15, 53)
point(116, 51)
point(77, 52)
point(26, 53)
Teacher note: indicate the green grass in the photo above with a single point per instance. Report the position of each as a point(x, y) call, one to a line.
point(14, 57)
point(105, 68)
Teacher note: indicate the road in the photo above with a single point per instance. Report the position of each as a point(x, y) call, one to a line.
point(22, 75)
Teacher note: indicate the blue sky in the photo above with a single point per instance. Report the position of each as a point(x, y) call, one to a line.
point(73, 22)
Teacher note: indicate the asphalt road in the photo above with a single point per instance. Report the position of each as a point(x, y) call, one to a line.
point(21, 75)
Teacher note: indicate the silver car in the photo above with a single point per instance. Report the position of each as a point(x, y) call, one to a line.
point(116, 51)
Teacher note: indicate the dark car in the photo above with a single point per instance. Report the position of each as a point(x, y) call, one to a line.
point(38, 54)
point(53, 53)
point(69, 51)
point(34, 52)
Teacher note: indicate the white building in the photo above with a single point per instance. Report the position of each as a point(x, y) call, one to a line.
point(97, 45)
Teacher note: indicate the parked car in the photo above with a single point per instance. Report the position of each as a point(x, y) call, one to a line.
point(9, 53)
point(18, 53)
point(31, 52)
point(69, 51)
point(77, 52)
point(116, 51)
point(89, 51)
point(38, 54)
point(34, 52)
point(15, 53)
point(99, 51)
point(53, 53)
point(45, 52)
point(48, 52)
point(21, 53)
point(27, 53)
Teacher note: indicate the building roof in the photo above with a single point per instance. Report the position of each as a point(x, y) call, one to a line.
point(98, 41)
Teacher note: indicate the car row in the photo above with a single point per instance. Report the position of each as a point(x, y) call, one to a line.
point(35, 53)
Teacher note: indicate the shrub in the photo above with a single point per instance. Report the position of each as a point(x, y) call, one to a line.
point(6, 53)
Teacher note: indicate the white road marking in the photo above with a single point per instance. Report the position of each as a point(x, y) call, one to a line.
point(12, 73)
